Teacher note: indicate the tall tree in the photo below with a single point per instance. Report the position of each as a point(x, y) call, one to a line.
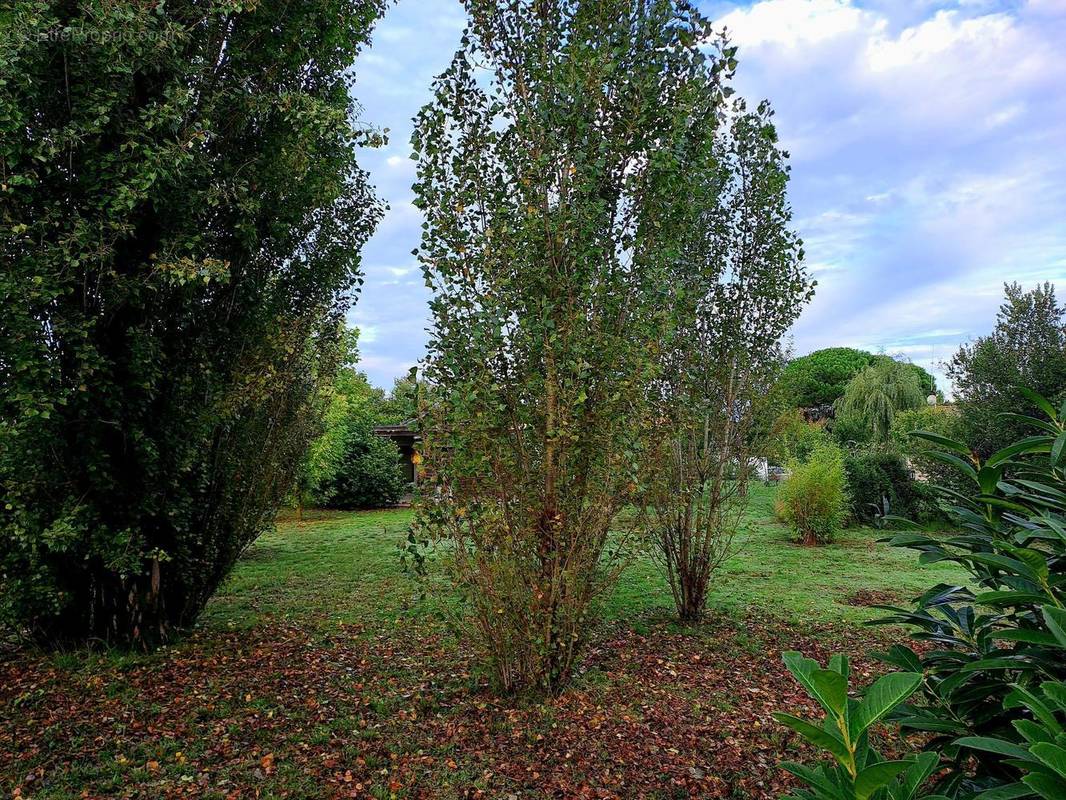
point(1026, 350)
point(182, 218)
point(739, 286)
point(873, 397)
point(549, 172)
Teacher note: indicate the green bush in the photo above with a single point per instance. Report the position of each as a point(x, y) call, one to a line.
point(857, 771)
point(348, 466)
point(992, 665)
point(813, 500)
point(881, 483)
point(1006, 630)
point(369, 473)
point(792, 438)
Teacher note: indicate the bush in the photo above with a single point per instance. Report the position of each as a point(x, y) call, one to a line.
point(555, 218)
point(993, 681)
point(859, 771)
point(1002, 637)
point(813, 500)
point(791, 438)
point(348, 466)
point(880, 482)
point(369, 473)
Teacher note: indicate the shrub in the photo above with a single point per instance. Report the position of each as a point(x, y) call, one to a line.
point(859, 771)
point(1002, 633)
point(1040, 754)
point(182, 219)
point(725, 358)
point(368, 475)
point(813, 500)
point(940, 419)
point(348, 466)
point(880, 482)
point(993, 668)
point(791, 438)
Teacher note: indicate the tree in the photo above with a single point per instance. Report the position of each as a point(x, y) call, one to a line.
point(873, 397)
point(820, 377)
point(182, 219)
point(740, 285)
point(1027, 348)
point(402, 402)
point(551, 178)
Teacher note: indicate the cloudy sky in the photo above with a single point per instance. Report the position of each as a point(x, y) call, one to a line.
point(928, 152)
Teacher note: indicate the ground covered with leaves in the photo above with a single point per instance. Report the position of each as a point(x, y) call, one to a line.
point(319, 673)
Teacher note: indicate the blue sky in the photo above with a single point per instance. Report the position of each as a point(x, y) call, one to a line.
point(928, 153)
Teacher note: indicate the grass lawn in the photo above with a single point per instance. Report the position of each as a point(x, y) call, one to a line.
point(319, 672)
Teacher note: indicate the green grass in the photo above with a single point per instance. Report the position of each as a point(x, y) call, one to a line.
point(333, 568)
point(322, 650)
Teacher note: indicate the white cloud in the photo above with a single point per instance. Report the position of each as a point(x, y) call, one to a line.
point(794, 22)
point(926, 140)
point(927, 162)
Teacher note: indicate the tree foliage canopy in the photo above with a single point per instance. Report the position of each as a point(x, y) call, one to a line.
point(1026, 349)
point(872, 399)
point(821, 377)
point(182, 218)
point(739, 285)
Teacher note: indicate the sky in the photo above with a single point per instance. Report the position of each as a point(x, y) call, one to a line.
point(927, 142)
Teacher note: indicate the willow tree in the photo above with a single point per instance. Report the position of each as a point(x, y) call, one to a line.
point(874, 396)
point(739, 285)
point(182, 214)
point(549, 173)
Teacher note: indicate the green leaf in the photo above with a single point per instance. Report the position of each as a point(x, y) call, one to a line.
point(1047, 786)
point(886, 694)
point(1052, 755)
point(1055, 618)
point(1031, 444)
point(816, 736)
point(942, 441)
point(917, 774)
point(1039, 401)
point(1009, 792)
point(876, 776)
point(1025, 635)
point(990, 745)
point(832, 689)
point(1058, 449)
point(964, 467)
